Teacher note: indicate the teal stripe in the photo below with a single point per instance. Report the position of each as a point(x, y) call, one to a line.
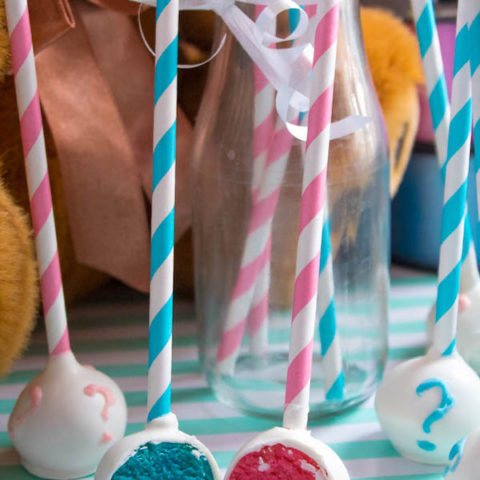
point(337, 389)
point(275, 336)
point(438, 100)
point(160, 331)
point(325, 247)
point(179, 395)
point(17, 472)
point(164, 154)
point(404, 303)
point(475, 41)
point(162, 243)
point(426, 26)
point(162, 406)
point(327, 327)
point(448, 290)
point(450, 349)
point(166, 68)
point(114, 371)
point(420, 476)
point(460, 128)
point(223, 459)
point(462, 49)
point(193, 366)
point(246, 424)
point(161, 4)
point(453, 211)
point(422, 279)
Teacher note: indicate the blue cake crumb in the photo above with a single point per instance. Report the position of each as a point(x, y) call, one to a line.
point(165, 461)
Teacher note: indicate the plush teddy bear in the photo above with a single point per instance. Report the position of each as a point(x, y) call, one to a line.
point(396, 70)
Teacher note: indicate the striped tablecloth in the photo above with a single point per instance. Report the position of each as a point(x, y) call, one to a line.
point(110, 332)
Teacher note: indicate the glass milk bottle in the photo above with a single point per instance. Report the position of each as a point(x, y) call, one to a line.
point(247, 176)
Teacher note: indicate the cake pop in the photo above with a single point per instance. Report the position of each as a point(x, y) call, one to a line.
point(468, 331)
point(161, 450)
point(290, 451)
point(428, 404)
point(67, 416)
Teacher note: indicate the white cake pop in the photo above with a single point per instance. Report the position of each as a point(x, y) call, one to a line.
point(161, 449)
point(427, 404)
point(68, 415)
point(66, 419)
point(291, 453)
point(465, 459)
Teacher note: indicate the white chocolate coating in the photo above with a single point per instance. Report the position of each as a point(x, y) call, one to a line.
point(59, 430)
point(164, 429)
point(301, 440)
point(468, 327)
point(402, 412)
point(468, 466)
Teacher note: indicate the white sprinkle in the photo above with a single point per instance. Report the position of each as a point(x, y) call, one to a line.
point(197, 453)
point(231, 155)
point(308, 467)
point(263, 466)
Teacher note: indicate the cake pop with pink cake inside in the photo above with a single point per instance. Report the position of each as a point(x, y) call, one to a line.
point(290, 452)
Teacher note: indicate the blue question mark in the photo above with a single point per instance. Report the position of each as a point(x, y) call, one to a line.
point(455, 456)
point(446, 404)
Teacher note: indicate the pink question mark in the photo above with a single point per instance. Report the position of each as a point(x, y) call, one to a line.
point(110, 400)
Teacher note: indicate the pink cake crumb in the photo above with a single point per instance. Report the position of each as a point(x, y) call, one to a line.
point(278, 462)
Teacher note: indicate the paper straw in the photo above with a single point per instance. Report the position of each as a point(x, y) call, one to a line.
point(264, 116)
point(311, 217)
point(329, 339)
point(434, 72)
point(455, 194)
point(475, 73)
point(38, 183)
point(256, 253)
point(163, 208)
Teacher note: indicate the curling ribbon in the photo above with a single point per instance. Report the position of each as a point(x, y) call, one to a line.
point(287, 69)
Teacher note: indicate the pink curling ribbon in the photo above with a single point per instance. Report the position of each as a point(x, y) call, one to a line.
point(33, 142)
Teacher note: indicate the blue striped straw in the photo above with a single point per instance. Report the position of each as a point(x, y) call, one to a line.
point(332, 364)
point(455, 193)
point(163, 208)
point(430, 51)
point(475, 73)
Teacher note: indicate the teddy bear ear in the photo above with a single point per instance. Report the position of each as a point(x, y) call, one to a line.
point(4, 43)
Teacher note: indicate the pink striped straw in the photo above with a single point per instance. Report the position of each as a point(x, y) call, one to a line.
point(256, 253)
point(37, 176)
point(313, 204)
point(264, 113)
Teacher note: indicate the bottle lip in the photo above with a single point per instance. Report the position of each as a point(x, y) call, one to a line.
point(444, 12)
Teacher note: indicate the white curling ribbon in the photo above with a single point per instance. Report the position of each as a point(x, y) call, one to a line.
point(287, 69)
